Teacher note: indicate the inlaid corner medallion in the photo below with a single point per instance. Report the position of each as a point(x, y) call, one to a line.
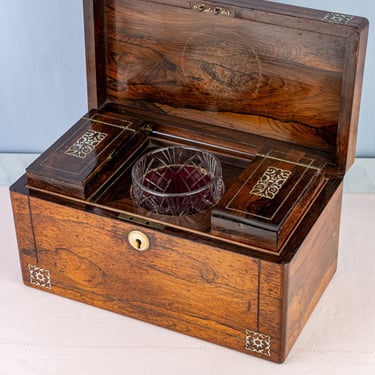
point(258, 343)
point(271, 182)
point(85, 144)
point(343, 19)
point(40, 276)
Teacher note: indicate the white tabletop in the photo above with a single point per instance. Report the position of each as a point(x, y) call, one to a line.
point(41, 333)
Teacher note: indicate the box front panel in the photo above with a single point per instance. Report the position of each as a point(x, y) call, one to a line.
point(179, 284)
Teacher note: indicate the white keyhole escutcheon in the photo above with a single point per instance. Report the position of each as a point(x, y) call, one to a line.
point(138, 240)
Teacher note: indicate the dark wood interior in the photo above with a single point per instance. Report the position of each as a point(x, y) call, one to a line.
point(102, 178)
point(265, 74)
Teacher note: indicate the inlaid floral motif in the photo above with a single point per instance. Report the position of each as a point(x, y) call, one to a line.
point(85, 144)
point(258, 343)
point(39, 276)
point(271, 182)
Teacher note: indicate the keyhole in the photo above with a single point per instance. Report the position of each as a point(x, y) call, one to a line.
point(138, 240)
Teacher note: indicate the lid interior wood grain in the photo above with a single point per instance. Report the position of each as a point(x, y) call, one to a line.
point(283, 72)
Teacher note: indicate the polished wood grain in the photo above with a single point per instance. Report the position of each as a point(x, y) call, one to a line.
point(318, 252)
point(182, 282)
point(23, 225)
point(238, 79)
point(267, 200)
point(94, 26)
point(179, 284)
point(86, 156)
point(288, 78)
point(208, 61)
point(352, 82)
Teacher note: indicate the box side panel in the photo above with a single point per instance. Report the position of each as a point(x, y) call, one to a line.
point(352, 83)
point(179, 284)
point(95, 52)
point(271, 299)
point(24, 232)
point(311, 269)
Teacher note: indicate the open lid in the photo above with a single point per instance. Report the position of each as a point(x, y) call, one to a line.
point(274, 70)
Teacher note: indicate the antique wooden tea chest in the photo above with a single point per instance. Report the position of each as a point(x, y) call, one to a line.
point(274, 92)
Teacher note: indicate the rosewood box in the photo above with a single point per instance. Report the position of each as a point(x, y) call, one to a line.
point(274, 92)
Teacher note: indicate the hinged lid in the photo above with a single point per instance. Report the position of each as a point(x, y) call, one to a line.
point(80, 161)
point(279, 71)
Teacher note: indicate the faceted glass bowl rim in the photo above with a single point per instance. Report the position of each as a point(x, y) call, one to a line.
point(216, 179)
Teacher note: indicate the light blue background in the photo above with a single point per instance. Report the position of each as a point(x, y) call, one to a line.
point(43, 77)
